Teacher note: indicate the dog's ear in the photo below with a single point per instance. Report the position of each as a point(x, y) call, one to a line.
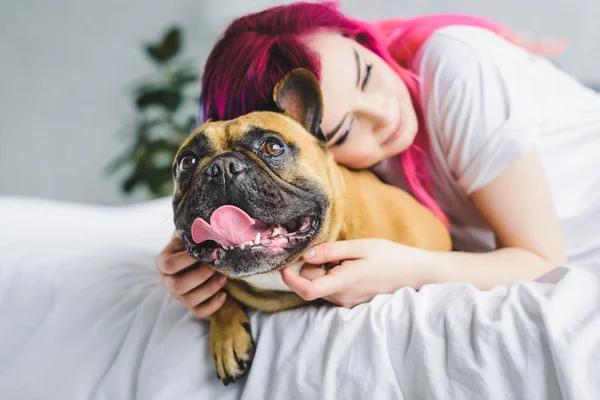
point(298, 94)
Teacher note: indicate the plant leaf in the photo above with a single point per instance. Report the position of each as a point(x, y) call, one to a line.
point(181, 78)
point(167, 47)
point(167, 98)
point(161, 177)
point(130, 183)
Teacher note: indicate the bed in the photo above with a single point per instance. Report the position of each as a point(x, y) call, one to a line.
point(83, 316)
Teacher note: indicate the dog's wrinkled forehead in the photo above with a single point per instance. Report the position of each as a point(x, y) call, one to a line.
point(226, 135)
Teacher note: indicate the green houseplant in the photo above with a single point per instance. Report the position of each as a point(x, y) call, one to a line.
point(166, 103)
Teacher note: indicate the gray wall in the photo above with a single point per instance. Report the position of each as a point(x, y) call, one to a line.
point(68, 66)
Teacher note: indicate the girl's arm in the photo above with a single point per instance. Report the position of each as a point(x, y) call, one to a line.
point(517, 205)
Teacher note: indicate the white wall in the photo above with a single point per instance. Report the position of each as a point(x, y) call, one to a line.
point(67, 67)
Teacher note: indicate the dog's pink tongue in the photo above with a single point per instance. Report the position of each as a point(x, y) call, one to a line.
point(229, 226)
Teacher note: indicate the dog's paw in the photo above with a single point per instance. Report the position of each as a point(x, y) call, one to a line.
point(232, 350)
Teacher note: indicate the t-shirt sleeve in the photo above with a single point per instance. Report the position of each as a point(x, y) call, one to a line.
point(478, 105)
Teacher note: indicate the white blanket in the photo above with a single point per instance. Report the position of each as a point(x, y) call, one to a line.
point(83, 316)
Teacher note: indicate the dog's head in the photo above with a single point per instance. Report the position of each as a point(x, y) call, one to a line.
point(252, 194)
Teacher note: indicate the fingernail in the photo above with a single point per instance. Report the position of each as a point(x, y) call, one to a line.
point(221, 297)
point(221, 279)
point(310, 253)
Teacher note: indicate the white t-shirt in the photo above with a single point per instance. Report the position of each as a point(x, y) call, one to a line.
point(486, 102)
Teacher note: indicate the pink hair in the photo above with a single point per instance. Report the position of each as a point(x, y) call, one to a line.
point(257, 50)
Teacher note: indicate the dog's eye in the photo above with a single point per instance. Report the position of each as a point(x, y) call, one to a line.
point(187, 163)
point(271, 148)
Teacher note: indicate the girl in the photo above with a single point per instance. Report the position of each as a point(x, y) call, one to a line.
point(496, 141)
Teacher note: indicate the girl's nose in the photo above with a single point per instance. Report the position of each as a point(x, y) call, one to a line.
point(380, 108)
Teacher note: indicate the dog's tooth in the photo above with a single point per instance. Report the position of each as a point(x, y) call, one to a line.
point(243, 246)
point(257, 240)
point(276, 231)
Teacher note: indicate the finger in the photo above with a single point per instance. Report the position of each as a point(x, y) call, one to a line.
point(311, 272)
point(184, 283)
point(311, 290)
point(340, 301)
point(174, 262)
point(345, 303)
point(205, 309)
point(335, 251)
point(176, 244)
point(204, 292)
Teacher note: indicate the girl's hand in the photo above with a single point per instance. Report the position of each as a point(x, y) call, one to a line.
point(196, 286)
point(368, 267)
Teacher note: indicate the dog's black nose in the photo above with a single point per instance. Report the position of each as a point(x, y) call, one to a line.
point(227, 165)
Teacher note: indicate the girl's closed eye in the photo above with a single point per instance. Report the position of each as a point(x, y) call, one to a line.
point(344, 136)
point(365, 81)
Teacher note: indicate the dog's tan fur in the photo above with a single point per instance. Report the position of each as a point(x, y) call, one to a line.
point(361, 206)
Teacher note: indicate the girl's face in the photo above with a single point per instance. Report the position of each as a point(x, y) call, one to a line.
point(368, 113)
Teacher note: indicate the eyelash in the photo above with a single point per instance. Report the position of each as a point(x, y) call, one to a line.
point(343, 138)
point(367, 76)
